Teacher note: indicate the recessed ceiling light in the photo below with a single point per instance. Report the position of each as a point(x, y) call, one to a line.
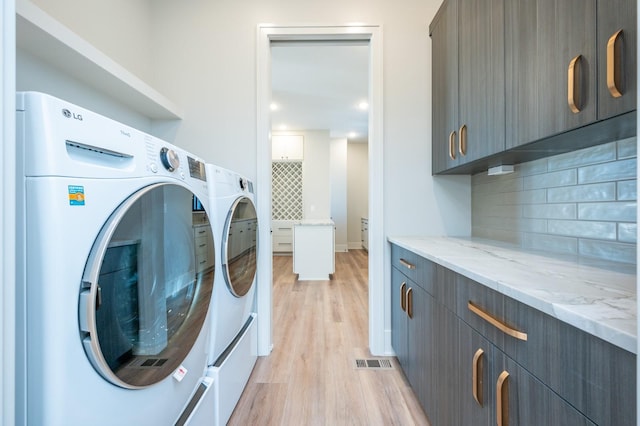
point(363, 105)
point(274, 106)
point(352, 134)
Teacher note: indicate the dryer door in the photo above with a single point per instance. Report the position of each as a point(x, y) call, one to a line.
point(147, 286)
point(240, 246)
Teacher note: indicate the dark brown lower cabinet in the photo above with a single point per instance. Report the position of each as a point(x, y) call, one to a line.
point(465, 371)
point(496, 390)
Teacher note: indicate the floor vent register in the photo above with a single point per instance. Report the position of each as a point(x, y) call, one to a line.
point(374, 364)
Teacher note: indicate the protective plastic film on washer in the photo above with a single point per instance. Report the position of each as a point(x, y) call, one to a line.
point(180, 373)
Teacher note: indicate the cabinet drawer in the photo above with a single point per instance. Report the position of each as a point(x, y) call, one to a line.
point(406, 261)
point(415, 267)
point(282, 243)
point(488, 301)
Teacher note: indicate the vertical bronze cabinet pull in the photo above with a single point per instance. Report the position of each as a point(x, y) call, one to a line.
point(477, 376)
point(452, 145)
point(573, 85)
point(410, 302)
point(502, 399)
point(462, 140)
point(614, 65)
point(403, 299)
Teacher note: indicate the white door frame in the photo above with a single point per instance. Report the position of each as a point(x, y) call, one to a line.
point(372, 34)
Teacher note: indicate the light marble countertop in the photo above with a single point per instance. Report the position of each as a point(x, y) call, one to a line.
point(315, 222)
point(596, 296)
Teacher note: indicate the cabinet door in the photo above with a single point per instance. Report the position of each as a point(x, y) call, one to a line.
point(399, 284)
point(481, 121)
point(446, 368)
point(542, 39)
point(615, 15)
point(444, 45)
point(287, 147)
point(521, 399)
point(477, 397)
point(421, 345)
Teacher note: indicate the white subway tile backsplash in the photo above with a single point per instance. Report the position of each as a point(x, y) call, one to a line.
point(551, 180)
point(583, 229)
point(617, 252)
point(588, 156)
point(502, 185)
point(624, 211)
point(627, 232)
point(583, 203)
point(627, 148)
point(516, 224)
point(627, 190)
point(581, 193)
point(550, 211)
point(532, 167)
point(606, 172)
point(550, 243)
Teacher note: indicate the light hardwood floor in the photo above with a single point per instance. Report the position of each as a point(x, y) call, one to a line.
point(319, 329)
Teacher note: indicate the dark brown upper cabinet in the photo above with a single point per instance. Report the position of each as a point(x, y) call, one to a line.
point(468, 82)
point(524, 79)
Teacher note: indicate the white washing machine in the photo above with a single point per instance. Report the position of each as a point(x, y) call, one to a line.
point(116, 272)
point(233, 352)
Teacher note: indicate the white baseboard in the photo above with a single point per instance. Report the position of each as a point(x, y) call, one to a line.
point(342, 248)
point(355, 245)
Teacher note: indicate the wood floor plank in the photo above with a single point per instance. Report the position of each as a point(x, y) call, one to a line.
point(319, 329)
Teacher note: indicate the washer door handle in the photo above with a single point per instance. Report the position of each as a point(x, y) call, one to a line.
point(98, 297)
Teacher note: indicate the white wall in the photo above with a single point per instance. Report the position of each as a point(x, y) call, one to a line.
point(338, 166)
point(316, 184)
point(204, 58)
point(357, 185)
point(119, 28)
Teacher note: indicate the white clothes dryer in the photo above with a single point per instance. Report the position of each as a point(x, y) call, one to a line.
point(233, 351)
point(116, 273)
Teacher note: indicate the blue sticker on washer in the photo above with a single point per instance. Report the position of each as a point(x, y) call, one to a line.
point(76, 195)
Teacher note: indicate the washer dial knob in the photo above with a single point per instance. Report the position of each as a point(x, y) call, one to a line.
point(170, 159)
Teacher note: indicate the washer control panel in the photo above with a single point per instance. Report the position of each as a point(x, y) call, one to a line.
point(170, 159)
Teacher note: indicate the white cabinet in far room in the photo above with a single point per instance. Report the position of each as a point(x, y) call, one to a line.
point(282, 236)
point(287, 148)
point(364, 233)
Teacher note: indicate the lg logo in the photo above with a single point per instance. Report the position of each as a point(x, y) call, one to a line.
point(69, 114)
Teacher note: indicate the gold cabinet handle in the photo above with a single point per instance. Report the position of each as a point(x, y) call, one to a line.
point(614, 65)
point(502, 402)
point(462, 140)
point(496, 322)
point(406, 264)
point(477, 376)
point(452, 145)
point(403, 300)
point(410, 302)
point(572, 92)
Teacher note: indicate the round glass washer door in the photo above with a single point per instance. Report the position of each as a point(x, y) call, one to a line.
point(240, 247)
point(147, 286)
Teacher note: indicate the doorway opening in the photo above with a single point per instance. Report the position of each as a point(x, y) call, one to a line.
point(280, 39)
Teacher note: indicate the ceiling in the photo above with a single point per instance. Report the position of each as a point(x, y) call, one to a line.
point(319, 86)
